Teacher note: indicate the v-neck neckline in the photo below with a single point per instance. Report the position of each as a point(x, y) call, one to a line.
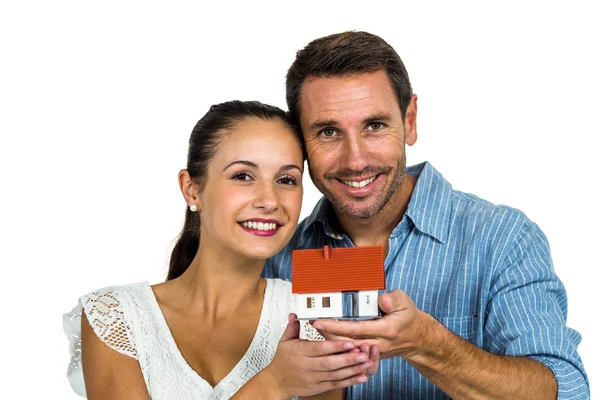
point(174, 349)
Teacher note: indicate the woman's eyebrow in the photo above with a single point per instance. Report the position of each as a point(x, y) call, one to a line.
point(290, 166)
point(243, 162)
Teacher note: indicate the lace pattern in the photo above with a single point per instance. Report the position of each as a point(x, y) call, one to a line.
point(128, 319)
point(105, 314)
point(104, 311)
point(308, 332)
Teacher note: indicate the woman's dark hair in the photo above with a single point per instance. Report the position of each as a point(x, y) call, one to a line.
point(203, 144)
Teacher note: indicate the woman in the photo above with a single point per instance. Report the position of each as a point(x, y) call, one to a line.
point(215, 329)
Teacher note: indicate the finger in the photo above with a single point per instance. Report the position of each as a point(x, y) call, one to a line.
point(344, 373)
point(351, 381)
point(365, 347)
point(338, 361)
point(329, 336)
point(374, 357)
point(352, 329)
point(396, 300)
point(324, 348)
point(374, 352)
point(292, 330)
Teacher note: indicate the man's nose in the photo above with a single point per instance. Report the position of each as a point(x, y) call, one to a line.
point(355, 155)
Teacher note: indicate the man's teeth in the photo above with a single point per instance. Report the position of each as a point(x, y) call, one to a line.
point(260, 225)
point(361, 183)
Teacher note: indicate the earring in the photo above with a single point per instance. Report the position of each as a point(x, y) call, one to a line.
point(193, 208)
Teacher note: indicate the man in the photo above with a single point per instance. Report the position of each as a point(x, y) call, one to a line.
point(475, 309)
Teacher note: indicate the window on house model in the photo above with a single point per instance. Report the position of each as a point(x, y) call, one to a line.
point(326, 302)
point(310, 302)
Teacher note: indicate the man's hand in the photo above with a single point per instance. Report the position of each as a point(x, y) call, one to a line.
point(398, 333)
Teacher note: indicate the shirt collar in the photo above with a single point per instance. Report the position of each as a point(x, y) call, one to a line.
point(430, 205)
point(428, 209)
point(321, 212)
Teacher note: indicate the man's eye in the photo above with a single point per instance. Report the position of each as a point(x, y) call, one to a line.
point(287, 180)
point(328, 132)
point(374, 126)
point(242, 176)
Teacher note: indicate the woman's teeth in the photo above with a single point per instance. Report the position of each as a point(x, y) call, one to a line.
point(268, 226)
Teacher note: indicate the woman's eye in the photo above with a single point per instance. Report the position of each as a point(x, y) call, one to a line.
point(287, 180)
point(242, 176)
point(328, 132)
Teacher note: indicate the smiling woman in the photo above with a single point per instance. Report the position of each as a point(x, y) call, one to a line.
point(241, 179)
point(215, 328)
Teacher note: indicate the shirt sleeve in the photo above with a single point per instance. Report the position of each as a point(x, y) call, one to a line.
point(527, 312)
point(106, 312)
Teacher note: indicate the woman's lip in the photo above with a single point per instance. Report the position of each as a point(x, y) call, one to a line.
point(264, 221)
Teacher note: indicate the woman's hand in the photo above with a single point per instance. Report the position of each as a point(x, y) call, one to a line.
point(304, 368)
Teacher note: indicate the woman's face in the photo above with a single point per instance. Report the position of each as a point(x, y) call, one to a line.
point(250, 201)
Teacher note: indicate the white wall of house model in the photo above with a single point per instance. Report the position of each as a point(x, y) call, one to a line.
point(331, 305)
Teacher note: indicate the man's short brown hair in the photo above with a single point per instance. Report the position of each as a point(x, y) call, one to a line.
point(343, 54)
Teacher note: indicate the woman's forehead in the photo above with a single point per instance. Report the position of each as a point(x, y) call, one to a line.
point(262, 140)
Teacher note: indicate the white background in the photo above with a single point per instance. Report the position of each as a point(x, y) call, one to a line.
point(97, 100)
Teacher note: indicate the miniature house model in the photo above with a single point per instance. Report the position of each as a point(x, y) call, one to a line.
point(341, 283)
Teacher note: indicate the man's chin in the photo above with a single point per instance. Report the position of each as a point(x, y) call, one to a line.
point(356, 211)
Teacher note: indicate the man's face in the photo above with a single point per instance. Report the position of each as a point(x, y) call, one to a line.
point(355, 137)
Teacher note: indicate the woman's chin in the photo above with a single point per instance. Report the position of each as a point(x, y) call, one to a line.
point(262, 254)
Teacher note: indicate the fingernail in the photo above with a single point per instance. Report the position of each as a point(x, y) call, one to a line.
point(362, 379)
point(348, 346)
point(318, 327)
point(367, 365)
point(361, 358)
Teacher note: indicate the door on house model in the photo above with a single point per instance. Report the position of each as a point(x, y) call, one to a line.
point(350, 304)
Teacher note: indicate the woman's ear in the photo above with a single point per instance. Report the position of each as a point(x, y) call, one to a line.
point(189, 189)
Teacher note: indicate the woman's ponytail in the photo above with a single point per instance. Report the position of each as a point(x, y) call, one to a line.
point(186, 247)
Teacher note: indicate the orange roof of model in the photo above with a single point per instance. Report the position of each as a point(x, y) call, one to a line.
point(337, 269)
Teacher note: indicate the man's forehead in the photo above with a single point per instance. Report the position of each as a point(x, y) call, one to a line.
point(328, 97)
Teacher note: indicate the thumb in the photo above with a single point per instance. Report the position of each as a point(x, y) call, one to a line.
point(391, 301)
point(292, 330)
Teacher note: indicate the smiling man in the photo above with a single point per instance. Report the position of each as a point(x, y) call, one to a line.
point(474, 309)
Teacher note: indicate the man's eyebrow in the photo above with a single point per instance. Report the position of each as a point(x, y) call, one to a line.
point(377, 117)
point(322, 124)
point(382, 117)
point(243, 162)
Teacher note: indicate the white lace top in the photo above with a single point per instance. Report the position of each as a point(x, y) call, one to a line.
point(129, 320)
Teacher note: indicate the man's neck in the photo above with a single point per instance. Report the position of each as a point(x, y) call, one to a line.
point(377, 230)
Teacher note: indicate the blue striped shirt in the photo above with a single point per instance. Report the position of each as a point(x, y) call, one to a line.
point(482, 270)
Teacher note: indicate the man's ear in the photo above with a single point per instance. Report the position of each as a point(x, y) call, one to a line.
point(410, 121)
point(189, 189)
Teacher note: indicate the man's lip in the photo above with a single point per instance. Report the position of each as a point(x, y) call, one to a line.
point(360, 191)
point(354, 179)
point(374, 177)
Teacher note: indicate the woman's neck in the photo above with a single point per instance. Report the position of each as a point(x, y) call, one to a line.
point(218, 284)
